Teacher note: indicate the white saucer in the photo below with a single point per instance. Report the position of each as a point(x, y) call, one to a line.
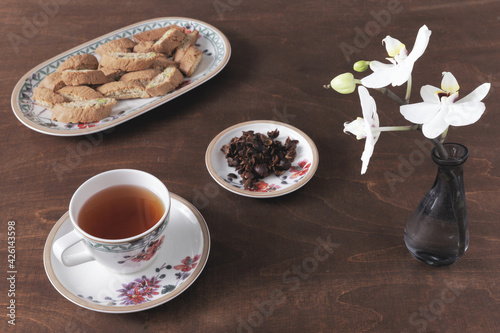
point(303, 167)
point(179, 262)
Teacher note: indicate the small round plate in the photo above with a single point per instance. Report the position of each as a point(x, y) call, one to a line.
point(303, 167)
point(178, 264)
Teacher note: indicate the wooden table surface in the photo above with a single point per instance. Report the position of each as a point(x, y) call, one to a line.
point(262, 275)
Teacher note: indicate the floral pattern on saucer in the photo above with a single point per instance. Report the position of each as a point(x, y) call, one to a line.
point(140, 290)
point(144, 289)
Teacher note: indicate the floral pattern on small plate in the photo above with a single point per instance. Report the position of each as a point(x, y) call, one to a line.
point(303, 167)
point(212, 42)
point(179, 262)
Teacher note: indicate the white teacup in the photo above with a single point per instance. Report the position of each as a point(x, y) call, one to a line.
point(126, 255)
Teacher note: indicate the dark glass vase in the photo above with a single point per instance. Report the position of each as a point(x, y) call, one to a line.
point(437, 233)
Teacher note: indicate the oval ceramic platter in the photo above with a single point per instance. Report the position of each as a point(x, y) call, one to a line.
point(179, 262)
point(212, 42)
point(303, 167)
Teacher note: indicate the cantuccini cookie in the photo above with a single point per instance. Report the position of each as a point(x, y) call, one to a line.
point(53, 81)
point(165, 82)
point(117, 45)
point(189, 40)
point(46, 97)
point(162, 62)
point(78, 93)
point(144, 47)
point(112, 74)
point(190, 61)
point(83, 111)
point(123, 90)
point(128, 62)
point(73, 77)
point(79, 61)
point(155, 34)
point(143, 77)
point(169, 41)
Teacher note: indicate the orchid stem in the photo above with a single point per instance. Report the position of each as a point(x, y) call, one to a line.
point(440, 149)
point(408, 90)
point(391, 95)
point(438, 143)
point(397, 128)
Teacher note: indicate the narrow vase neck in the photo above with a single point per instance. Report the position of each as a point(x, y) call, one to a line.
point(456, 153)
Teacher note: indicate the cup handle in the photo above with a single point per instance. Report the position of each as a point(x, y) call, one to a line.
point(64, 243)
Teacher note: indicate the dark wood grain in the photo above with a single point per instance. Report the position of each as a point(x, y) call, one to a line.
point(282, 54)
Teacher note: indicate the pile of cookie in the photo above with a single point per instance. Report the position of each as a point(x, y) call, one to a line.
point(84, 89)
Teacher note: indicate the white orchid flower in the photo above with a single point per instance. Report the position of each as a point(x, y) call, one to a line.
point(399, 70)
point(366, 127)
point(441, 109)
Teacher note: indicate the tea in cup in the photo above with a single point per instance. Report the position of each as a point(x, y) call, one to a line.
point(120, 217)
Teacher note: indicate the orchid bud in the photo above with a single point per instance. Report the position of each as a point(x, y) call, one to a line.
point(361, 66)
point(343, 83)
